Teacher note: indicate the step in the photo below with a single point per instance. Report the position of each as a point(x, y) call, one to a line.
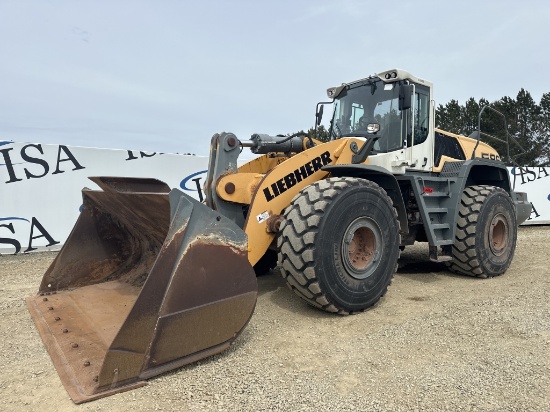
point(436, 194)
point(437, 210)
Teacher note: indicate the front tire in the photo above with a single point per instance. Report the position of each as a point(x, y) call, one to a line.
point(486, 232)
point(339, 244)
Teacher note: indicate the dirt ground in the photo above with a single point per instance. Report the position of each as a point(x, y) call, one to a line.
point(436, 341)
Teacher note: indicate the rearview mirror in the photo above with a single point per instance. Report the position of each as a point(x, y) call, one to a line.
point(373, 128)
point(319, 115)
point(405, 93)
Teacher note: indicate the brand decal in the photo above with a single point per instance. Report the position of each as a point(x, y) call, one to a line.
point(33, 154)
point(132, 156)
point(192, 177)
point(534, 211)
point(536, 179)
point(13, 218)
point(196, 178)
point(491, 156)
point(290, 180)
point(36, 231)
point(530, 174)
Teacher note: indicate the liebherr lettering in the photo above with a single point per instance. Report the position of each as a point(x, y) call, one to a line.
point(290, 180)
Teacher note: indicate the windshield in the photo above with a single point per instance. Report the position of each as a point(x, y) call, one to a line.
point(370, 101)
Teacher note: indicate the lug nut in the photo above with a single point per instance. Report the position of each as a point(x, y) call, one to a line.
point(231, 141)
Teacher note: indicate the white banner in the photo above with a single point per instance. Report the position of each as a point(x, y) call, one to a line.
point(40, 187)
point(535, 181)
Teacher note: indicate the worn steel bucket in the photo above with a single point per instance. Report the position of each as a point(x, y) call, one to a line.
point(149, 280)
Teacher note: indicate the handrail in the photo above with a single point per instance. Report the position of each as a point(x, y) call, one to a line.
point(509, 137)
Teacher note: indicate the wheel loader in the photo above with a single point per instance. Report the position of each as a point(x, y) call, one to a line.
point(151, 279)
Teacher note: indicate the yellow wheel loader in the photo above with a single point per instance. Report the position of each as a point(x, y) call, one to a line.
point(151, 279)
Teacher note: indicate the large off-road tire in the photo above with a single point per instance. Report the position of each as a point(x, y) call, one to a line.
point(486, 232)
point(339, 244)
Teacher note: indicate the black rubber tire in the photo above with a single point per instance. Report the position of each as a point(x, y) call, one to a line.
point(315, 260)
point(486, 232)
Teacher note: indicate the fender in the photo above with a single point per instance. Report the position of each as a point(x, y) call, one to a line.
point(380, 176)
point(489, 172)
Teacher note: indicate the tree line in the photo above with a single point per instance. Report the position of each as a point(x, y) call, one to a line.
point(523, 131)
point(524, 124)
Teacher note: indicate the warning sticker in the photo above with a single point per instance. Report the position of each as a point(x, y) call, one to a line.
point(262, 217)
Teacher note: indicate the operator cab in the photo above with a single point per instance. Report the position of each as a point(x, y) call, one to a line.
point(393, 107)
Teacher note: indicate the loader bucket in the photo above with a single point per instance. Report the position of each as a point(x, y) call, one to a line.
point(148, 280)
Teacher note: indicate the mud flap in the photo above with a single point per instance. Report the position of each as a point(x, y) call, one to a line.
point(148, 281)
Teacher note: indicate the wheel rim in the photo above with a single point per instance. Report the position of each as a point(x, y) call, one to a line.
point(498, 235)
point(360, 248)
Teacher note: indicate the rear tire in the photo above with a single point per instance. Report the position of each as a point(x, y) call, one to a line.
point(339, 244)
point(486, 232)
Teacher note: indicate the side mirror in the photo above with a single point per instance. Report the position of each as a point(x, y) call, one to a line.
point(373, 128)
point(405, 94)
point(319, 115)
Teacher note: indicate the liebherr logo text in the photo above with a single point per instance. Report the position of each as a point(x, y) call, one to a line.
point(282, 185)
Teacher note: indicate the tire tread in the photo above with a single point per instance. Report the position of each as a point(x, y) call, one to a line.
point(298, 231)
point(465, 255)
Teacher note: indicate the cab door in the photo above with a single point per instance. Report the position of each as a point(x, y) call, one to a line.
point(419, 126)
point(405, 142)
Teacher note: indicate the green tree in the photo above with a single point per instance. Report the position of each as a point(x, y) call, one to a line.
point(319, 133)
point(495, 125)
point(528, 115)
point(526, 129)
point(544, 130)
point(449, 117)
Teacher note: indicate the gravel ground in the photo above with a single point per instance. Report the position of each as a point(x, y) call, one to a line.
point(437, 341)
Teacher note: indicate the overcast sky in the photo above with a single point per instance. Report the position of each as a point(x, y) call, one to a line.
point(166, 75)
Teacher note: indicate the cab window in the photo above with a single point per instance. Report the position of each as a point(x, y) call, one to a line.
point(421, 119)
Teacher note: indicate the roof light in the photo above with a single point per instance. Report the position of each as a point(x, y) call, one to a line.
point(333, 92)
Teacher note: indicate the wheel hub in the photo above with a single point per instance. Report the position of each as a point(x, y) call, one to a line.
point(498, 234)
point(361, 240)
